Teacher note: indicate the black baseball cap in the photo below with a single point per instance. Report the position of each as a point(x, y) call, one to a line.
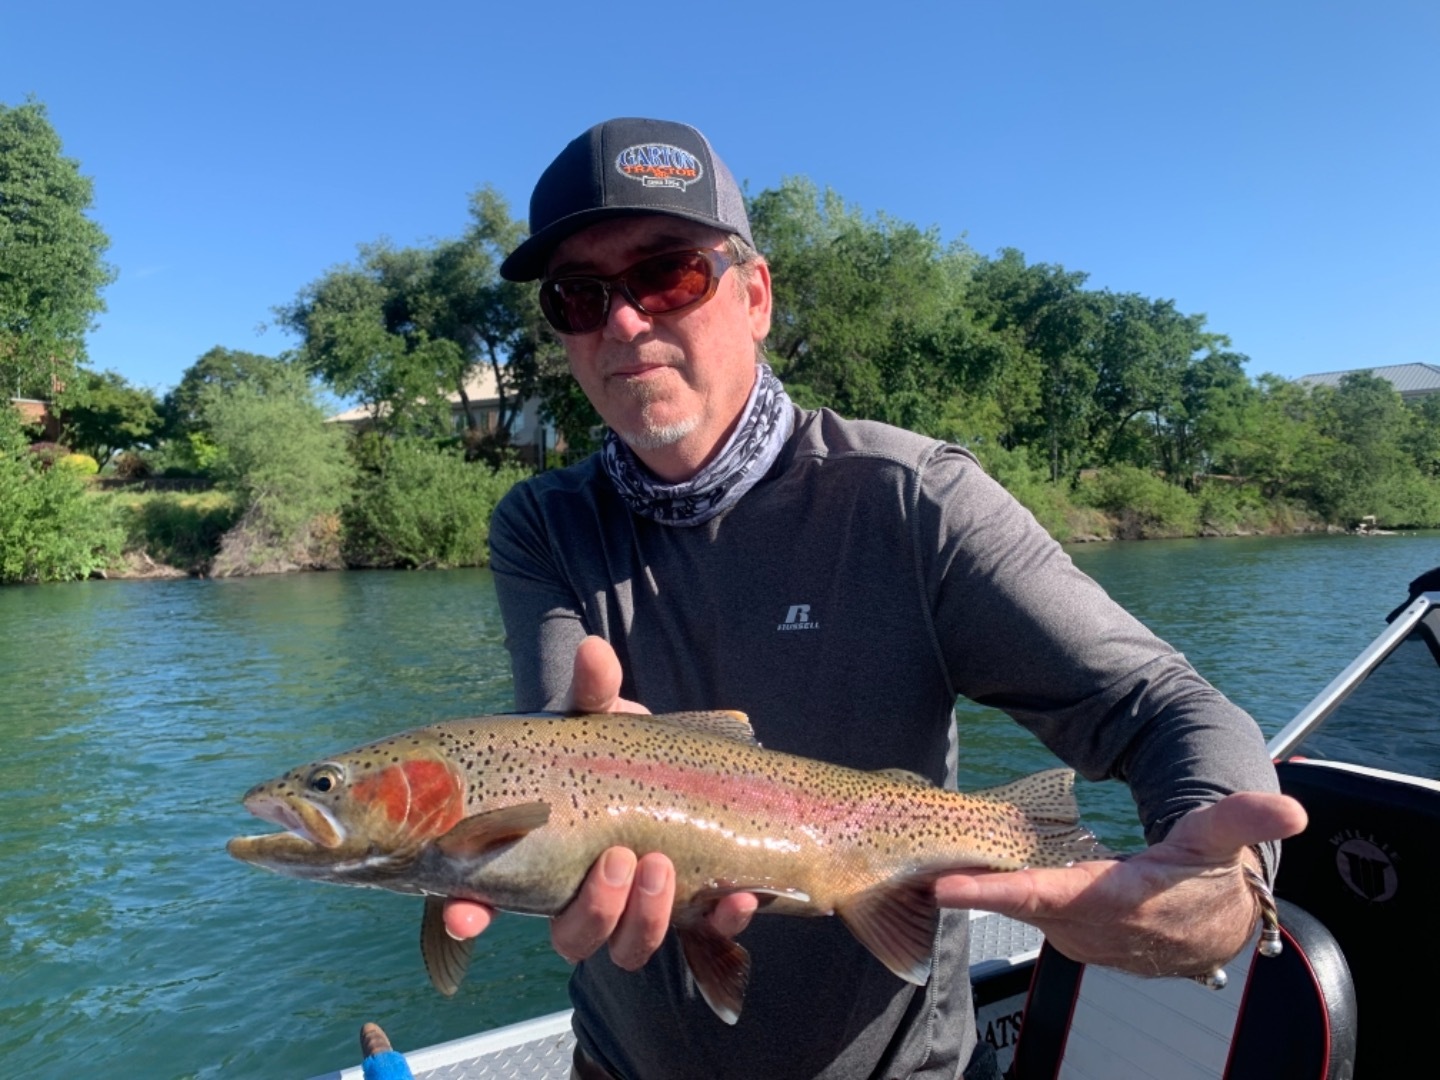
point(627, 167)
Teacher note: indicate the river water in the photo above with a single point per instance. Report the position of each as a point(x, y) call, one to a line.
point(134, 714)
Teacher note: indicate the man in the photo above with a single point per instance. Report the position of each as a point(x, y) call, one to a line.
point(842, 583)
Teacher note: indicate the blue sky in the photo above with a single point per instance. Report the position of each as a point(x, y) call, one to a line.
point(1275, 166)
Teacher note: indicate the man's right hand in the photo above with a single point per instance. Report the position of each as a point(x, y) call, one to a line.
point(624, 901)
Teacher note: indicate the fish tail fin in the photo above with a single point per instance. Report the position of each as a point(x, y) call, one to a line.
point(897, 921)
point(1047, 799)
point(719, 966)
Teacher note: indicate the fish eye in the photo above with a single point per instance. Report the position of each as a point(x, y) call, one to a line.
point(325, 778)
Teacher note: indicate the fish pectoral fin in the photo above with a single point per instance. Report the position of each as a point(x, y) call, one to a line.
point(481, 833)
point(897, 921)
point(445, 958)
point(719, 966)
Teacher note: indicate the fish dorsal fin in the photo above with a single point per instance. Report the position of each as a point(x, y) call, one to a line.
point(483, 832)
point(905, 776)
point(1044, 796)
point(726, 723)
point(720, 967)
point(897, 921)
point(1047, 799)
point(445, 958)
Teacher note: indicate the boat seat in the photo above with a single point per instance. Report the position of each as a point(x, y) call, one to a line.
point(1289, 1017)
point(1366, 868)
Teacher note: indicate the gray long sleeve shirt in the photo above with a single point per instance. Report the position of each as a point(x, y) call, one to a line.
point(844, 603)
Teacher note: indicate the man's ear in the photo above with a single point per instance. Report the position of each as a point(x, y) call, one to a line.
point(758, 299)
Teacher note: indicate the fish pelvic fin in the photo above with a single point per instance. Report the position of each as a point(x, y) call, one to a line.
point(897, 921)
point(719, 966)
point(1047, 799)
point(446, 959)
point(483, 832)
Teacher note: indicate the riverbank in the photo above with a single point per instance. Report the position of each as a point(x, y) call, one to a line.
point(203, 535)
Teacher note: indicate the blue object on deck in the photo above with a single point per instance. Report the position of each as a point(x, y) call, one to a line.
point(391, 1065)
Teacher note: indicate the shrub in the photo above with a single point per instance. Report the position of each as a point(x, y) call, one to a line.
point(47, 453)
point(425, 507)
point(183, 531)
point(1143, 505)
point(275, 451)
point(51, 528)
point(79, 464)
point(130, 465)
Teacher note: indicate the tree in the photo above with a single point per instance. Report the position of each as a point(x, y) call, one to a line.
point(402, 328)
point(52, 272)
point(106, 415)
point(1050, 325)
point(221, 370)
point(867, 317)
point(277, 452)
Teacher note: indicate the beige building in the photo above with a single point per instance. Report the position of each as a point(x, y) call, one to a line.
point(527, 432)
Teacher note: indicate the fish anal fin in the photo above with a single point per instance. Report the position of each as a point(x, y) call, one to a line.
point(445, 958)
point(897, 921)
point(483, 832)
point(719, 966)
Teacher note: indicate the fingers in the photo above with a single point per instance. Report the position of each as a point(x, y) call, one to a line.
point(595, 682)
point(733, 913)
point(1020, 894)
point(623, 901)
point(466, 919)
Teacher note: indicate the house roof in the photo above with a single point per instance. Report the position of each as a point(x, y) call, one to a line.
point(1406, 378)
point(480, 389)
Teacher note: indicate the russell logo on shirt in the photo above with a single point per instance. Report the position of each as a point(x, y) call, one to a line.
point(798, 618)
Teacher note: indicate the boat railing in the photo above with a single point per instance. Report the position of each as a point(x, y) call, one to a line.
point(1329, 699)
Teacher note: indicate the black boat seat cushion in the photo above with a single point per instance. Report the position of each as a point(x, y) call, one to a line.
point(1290, 1017)
point(1367, 868)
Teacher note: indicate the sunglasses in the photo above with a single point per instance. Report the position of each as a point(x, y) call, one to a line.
point(660, 285)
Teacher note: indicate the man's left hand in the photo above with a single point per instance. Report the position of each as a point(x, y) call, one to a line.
point(1180, 907)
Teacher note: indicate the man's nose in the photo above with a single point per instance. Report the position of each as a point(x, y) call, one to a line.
point(625, 321)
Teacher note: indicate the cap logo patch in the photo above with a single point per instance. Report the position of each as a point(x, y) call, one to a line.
point(659, 165)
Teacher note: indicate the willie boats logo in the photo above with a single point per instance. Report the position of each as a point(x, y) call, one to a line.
point(659, 165)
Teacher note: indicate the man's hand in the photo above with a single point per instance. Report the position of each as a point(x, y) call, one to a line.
point(1181, 907)
point(624, 900)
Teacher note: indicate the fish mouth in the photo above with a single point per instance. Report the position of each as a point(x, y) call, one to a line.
point(303, 820)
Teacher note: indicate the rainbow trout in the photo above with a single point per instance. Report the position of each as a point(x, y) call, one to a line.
point(513, 811)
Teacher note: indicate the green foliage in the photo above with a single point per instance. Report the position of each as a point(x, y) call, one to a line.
point(80, 464)
point(866, 317)
point(425, 507)
point(1144, 505)
point(51, 528)
point(402, 328)
point(216, 372)
point(52, 271)
point(274, 450)
point(105, 415)
point(179, 530)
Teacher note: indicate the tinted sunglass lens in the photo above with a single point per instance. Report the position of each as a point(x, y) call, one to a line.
point(669, 282)
point(574, 306)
